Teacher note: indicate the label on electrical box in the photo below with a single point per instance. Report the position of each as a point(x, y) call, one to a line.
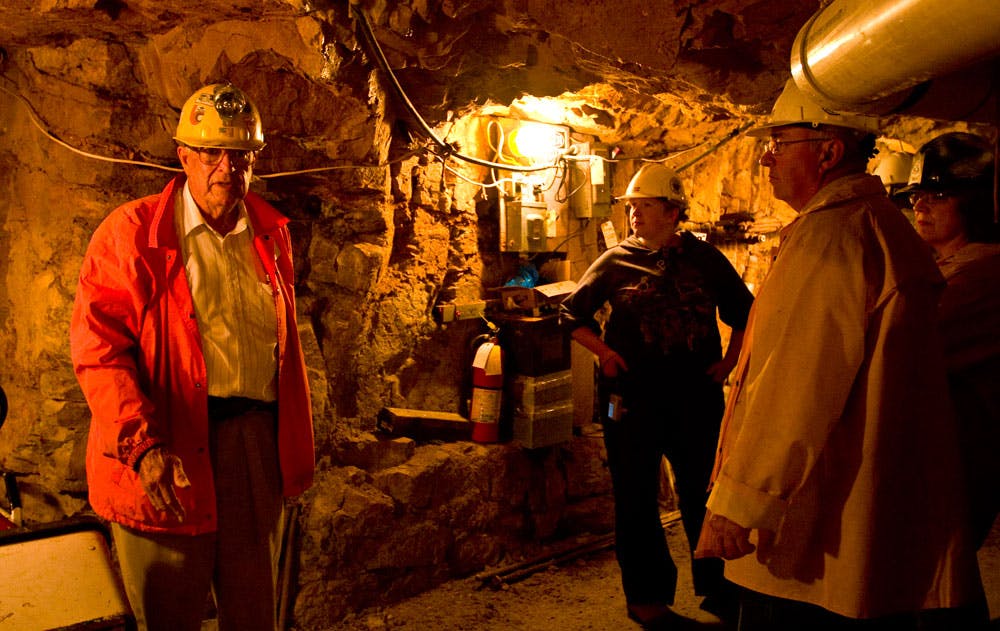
point(610, 237)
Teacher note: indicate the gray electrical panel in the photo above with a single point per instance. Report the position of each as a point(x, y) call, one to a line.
point(523, 226)
point(590, 181)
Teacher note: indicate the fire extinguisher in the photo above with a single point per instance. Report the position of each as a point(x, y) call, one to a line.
point(487, 387)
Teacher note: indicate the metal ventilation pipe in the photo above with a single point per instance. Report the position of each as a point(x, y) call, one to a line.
point(862, 55)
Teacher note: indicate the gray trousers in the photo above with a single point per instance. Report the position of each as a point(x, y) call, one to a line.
point(167, 577)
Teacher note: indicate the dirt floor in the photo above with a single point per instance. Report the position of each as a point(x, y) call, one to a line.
point(582, 595)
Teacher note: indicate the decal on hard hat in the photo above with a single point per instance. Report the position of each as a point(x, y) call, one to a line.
point(917, 170)
point(220, 115)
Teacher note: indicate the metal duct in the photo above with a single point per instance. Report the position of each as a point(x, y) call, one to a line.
point(863, 55)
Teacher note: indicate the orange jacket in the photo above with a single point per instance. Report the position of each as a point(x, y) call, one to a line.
point(137, 354)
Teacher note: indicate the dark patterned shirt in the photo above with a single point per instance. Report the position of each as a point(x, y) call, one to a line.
point(663, 303)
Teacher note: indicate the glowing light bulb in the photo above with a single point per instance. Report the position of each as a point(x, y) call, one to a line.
point(536, 142)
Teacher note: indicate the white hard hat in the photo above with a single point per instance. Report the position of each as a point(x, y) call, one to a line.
point(794, 108)
point(655, 180)
point(894, 168)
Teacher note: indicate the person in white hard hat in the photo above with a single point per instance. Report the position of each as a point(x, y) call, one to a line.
point(184, 306)
point(837, 497)
point(894, 171)
point(660, 381)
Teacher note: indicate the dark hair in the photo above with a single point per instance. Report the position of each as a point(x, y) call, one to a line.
point(682, 211)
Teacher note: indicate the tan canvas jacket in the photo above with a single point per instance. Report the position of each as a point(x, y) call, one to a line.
point(839, 436)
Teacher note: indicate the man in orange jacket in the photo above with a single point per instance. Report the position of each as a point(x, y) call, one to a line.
point(184, 341)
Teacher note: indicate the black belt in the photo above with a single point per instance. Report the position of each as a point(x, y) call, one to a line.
point(220, 408)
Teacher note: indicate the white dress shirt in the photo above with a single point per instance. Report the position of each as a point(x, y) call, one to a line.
point(233, 302)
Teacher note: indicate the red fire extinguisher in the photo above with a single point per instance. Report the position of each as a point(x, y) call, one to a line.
point(487, 387)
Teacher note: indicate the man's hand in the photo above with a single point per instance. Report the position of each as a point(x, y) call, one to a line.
point(722, 538)
point(159, 472)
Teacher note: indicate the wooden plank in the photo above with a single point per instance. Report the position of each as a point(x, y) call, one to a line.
point(424, 424)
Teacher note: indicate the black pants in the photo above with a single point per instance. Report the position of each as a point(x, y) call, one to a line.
point(679, 420)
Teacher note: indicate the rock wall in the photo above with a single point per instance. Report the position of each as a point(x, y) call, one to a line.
point(403, 517)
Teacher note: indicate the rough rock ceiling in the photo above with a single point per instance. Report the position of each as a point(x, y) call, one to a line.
point(634, 66)
point(725, 54)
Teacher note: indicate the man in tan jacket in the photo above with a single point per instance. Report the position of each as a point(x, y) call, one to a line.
point(837, 497)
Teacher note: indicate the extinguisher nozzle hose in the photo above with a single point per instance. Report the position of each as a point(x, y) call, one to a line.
point(492, 327)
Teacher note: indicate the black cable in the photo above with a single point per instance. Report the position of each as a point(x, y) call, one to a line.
point(445, 147)
point(736, 132)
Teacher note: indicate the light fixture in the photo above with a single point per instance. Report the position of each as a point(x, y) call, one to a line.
point(537, 143)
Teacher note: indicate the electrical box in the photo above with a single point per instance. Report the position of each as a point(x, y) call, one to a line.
point(590, 181)
point(533, 193)
point(535, 216)
point(523, 226)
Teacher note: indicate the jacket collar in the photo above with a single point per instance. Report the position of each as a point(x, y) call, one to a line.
point(849, 188)
point(632, 242)
point(264, 218)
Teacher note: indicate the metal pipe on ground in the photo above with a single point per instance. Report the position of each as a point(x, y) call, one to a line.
point(514, 572)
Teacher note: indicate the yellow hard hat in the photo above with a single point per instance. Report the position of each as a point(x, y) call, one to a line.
point(655, 180)
point(220, 115)
point(792, 107)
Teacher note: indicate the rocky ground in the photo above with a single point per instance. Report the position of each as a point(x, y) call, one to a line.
point(582, 595)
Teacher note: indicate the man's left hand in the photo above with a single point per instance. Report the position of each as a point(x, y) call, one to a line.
point(724, 538)
point(161, 474)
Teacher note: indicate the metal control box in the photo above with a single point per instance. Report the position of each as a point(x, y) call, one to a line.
point(524, 226)
point(590, 181)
